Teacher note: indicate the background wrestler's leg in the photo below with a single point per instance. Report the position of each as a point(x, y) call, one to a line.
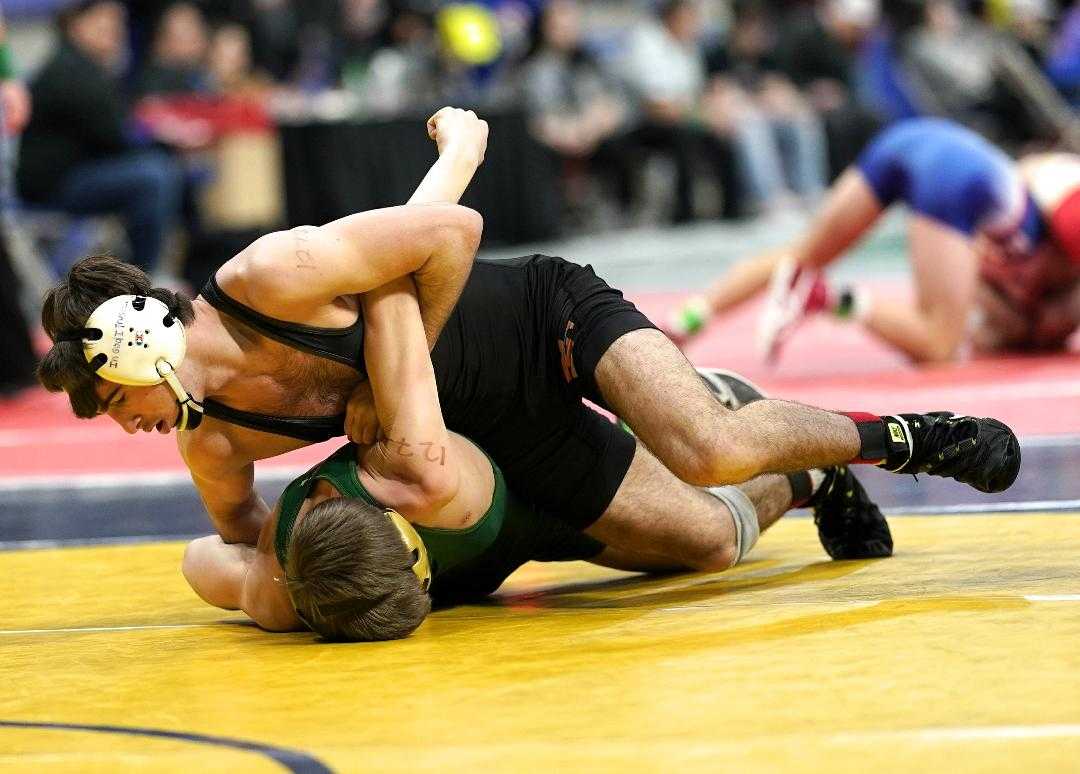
point(945, 268)
point(668, 524)
point(650, 384)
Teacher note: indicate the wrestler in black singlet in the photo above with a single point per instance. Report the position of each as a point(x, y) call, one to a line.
point(512, 365)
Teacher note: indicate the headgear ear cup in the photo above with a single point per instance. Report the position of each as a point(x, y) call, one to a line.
point(421, 565)
point(134, 338)
point(137, 341)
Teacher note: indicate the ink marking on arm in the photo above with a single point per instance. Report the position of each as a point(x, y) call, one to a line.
point(304, 258)
point(432, 453)
point(439, 456)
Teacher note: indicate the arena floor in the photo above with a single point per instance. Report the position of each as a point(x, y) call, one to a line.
point(961, 652)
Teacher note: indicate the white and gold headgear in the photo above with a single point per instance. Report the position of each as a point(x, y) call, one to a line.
point(137, 341)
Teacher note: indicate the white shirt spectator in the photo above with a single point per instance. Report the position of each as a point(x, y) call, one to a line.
point(658, 67)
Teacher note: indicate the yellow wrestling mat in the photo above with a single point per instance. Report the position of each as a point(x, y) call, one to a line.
point(961, 653)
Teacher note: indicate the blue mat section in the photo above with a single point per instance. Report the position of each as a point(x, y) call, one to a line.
point(73, 515)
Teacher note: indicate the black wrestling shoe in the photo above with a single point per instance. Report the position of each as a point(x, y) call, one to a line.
point(849, 523)
point(982, 453)
point(732, 390)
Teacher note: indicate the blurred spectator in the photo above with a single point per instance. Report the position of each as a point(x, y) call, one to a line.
point(364, 27)
point(961, 68)
point(402, 76)
point(749, 98)
point(231, 67)
point(177, 63)
point(294, 41)
point(275, 26)
point(14, 97)
point(1063, 59)
point(75, 155)
point(665, 68)
point(951, 58)
point(576, 110)
point(16, 350)
point(818, 52)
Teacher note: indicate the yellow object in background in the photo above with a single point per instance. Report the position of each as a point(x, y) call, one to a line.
point(470, 33)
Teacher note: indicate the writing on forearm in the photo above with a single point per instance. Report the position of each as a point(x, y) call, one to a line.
point(432, 452)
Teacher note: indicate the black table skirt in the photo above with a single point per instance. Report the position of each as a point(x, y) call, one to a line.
point(333, 169)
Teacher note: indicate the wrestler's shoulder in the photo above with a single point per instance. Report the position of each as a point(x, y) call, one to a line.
point(259, 262)
point(268, 275)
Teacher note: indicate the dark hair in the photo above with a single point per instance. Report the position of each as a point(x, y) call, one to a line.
point(580, 56)
point(350, 576)
point(665, 9)
point(90, 283)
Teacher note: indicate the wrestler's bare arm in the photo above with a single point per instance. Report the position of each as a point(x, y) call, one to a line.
point(439, 263)
point(462, 141)
point(298, 275)
point(414, 467)
point(264, 595)
point(295, 274)
point(242, 577)
point(226, 484)
point(215, 570)
point(224, 476)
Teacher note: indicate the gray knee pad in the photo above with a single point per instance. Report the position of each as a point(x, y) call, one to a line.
point(744, 515)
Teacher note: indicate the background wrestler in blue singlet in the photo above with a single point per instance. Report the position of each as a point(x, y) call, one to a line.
point(985, 234)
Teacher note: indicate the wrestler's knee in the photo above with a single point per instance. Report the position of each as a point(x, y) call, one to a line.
point(942, 346)
point(714, 558)
point(939, 352)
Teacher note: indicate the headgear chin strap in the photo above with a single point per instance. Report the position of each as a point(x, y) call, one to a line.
point(421, 565)
point(137, 341)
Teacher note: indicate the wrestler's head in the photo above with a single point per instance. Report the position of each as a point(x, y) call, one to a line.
point(65, 314)
point(350, 574)
point(1054, 181)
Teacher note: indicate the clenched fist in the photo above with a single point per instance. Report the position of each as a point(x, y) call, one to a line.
point(361, 423)
point(458, 129)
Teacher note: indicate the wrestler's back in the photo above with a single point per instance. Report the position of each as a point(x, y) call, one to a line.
point(944, 171)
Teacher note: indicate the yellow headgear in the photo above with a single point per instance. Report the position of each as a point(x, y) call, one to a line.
point(415, 545)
